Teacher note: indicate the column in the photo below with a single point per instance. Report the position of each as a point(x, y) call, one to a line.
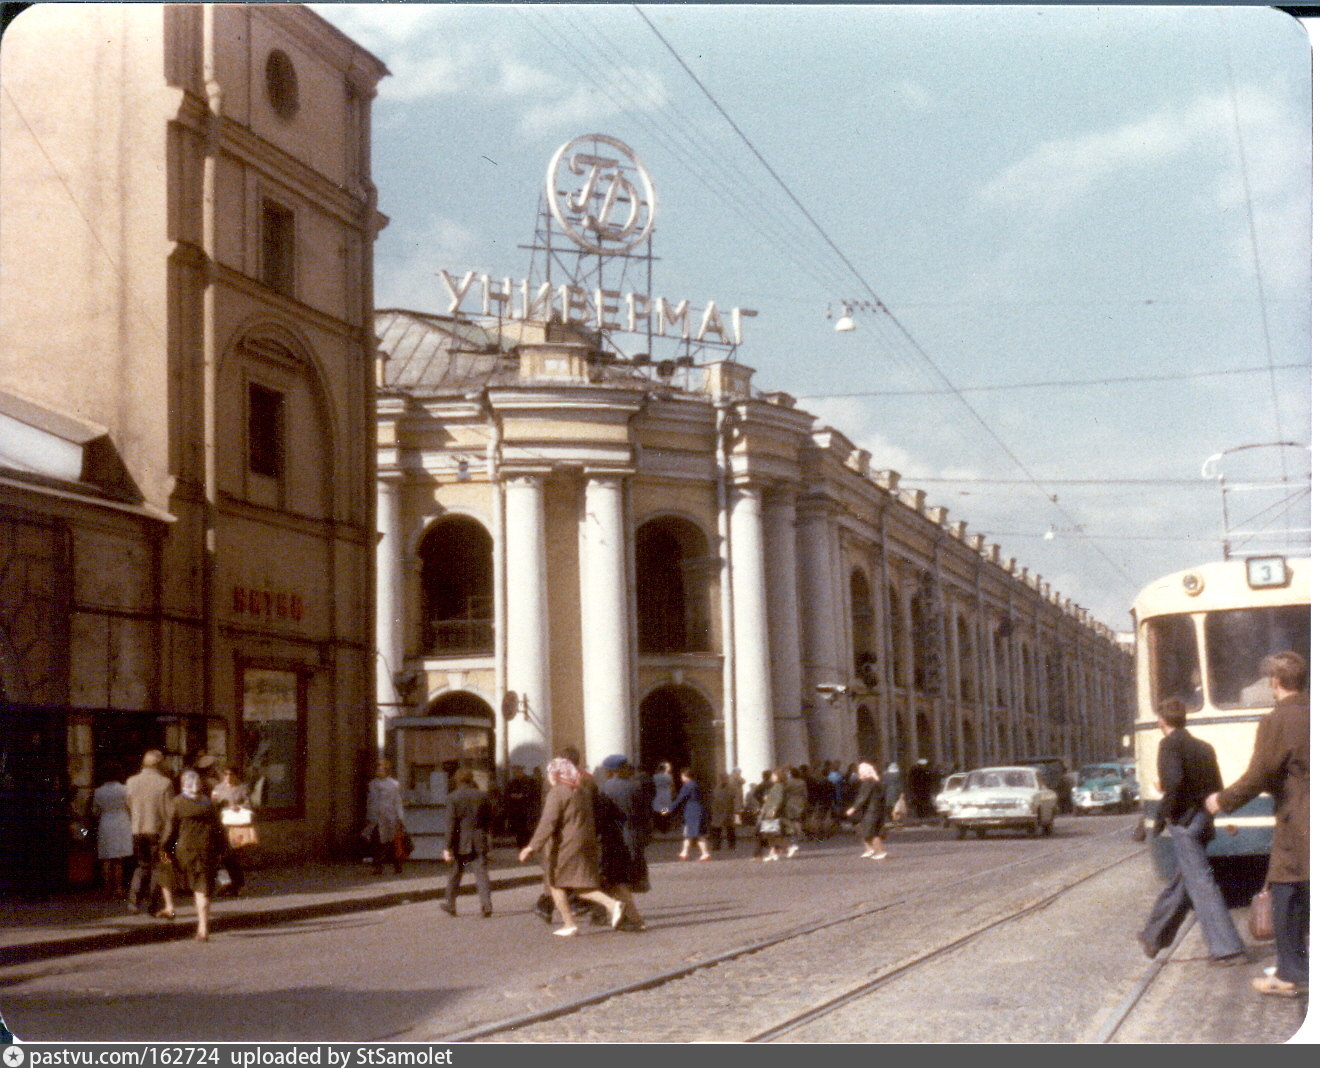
point(754, 725)
point(606, 643)
point(528, 649)
point(389, 605)
point(820, 632)
point(791, 741)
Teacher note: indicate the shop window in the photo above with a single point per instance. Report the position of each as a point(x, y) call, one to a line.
point(277, 247)
point(274, 706)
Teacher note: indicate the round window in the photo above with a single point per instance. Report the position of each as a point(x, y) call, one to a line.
point(281, 84)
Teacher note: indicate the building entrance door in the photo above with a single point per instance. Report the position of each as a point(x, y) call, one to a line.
point(678, 725)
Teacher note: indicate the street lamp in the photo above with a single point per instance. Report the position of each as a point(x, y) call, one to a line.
point(846, 321)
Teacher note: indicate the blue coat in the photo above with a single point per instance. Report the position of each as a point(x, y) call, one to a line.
point(696, 817)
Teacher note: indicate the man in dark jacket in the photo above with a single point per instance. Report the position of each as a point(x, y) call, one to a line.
point(470, 818)
point(623, 824)
point(1188, 774)
point(1281, 763)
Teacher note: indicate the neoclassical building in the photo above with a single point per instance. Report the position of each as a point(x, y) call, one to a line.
point(660, 560)
point(186, 410)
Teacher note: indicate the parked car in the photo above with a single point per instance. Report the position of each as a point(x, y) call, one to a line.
point(1105, 787)
point(1012, 798)
point(951, 783)
point(1054, 776)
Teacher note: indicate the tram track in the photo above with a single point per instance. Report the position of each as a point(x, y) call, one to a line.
point(519, 1028)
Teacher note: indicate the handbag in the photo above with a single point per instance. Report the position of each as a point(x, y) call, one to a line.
point(241, 837)
point(1260, 917)
point(771, 826)
point(900, 809)
point(403, 844)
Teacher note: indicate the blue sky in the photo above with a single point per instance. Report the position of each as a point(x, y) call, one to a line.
point(1106, 209)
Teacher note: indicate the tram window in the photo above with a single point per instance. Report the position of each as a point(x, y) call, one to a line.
point(1171, 641)
point(1236, 642)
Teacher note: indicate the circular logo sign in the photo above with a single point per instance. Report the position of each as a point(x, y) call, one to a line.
point(601, 195)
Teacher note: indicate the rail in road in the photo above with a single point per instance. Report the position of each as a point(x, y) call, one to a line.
point(767, 1005)
point(521, 1028)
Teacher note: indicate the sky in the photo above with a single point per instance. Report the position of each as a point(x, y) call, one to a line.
point(1083, 235)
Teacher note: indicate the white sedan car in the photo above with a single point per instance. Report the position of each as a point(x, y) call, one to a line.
point(952, 783)
point(1009, 797)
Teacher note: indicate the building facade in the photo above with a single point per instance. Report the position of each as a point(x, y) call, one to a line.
point(186, 413)
point(662, 561)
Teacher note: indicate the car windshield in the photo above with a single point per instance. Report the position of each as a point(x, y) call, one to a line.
point(1098, 774)
point(954, 782)
point(982, 780)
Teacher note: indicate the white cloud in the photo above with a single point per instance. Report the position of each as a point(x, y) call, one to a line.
point(440, 51)
point(408, 269)
point(1061, 171)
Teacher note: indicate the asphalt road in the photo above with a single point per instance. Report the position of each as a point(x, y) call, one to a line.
point(1057, 973)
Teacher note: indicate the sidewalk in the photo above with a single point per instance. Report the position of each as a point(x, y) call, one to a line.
point(80, 922)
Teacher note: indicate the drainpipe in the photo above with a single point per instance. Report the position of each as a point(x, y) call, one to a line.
point(723, 419)
point(500, 592)
point(214, 117)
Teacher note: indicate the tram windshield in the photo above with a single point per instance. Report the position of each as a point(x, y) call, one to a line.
point(1236, 642)
point(1176, 666)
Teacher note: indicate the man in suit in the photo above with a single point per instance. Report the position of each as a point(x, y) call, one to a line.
point(471, 817)
point(1281, 764)
point(1188, 774)
point(149, 796)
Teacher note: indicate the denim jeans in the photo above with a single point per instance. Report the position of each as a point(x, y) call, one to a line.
point(1291, 911)
point(1193, 886)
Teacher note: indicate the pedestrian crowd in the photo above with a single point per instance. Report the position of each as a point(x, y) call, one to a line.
point(158, 835)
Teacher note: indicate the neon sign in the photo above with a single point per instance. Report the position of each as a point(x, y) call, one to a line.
point(600, 309)
point(604, 202)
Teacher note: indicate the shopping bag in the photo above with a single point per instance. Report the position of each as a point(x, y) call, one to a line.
point(1260, 918)
point(403, 844)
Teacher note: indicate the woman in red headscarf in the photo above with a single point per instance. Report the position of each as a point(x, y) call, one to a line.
point(566, 839)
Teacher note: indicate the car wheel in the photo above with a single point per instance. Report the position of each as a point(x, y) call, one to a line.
point(962, 832)
point(980, 832)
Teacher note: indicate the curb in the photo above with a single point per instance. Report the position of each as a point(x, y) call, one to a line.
point(254, 916)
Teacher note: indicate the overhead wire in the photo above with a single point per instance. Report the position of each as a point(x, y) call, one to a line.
point(1066, 383)
point(683, 146)
point(873, 296)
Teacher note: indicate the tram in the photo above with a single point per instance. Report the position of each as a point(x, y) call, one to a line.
point(1200, 636)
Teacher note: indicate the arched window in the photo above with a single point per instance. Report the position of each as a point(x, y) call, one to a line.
point(898, 637)
point(863, 630)
point(458, 591)
point(966, 661)
point(673, 587)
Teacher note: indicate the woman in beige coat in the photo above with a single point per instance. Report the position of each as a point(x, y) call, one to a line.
point(566, 839)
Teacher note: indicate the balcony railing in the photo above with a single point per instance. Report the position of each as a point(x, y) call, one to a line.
point(460, 637)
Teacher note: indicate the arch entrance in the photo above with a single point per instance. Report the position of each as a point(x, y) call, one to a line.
point(678, 725)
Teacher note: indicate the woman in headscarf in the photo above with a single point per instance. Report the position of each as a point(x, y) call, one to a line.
point(566, 839)
point(195, 838)
point(870, 809)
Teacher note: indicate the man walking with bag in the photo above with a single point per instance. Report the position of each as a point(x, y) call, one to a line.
point(471, 816)
point(1188, 774)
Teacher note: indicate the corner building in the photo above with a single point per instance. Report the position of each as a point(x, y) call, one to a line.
point(186, 362)
point(663, 561)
